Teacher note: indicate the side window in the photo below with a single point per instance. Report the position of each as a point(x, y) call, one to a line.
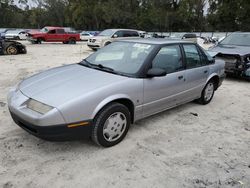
point(119, 33)
point(193, 58)
point(60, 31)
point(169, 58)
point(131, 34)
point(52, 31)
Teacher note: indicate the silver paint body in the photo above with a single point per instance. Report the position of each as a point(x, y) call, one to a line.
point(78, 93)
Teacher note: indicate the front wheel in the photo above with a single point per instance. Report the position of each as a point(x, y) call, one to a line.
point(207, 93)
point(11, 50)
point(111, 125)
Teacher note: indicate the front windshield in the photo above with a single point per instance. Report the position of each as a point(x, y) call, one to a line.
point(44, 30)
point(107, 32)
point(238, 39)
point(121, 57)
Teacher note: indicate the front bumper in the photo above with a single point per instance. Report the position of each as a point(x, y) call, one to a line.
point(54, 132)
point(49, 126)
point(94, 45)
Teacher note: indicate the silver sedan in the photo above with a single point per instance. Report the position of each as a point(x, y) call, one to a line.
point(117, 85)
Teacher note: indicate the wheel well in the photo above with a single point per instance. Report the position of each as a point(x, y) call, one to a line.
point(107, 43)
point(128, 103)
point(216, 81)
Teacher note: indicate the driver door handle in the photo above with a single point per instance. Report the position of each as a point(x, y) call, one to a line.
point(180, 77)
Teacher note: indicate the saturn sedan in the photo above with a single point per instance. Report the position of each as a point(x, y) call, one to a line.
point(114, 87)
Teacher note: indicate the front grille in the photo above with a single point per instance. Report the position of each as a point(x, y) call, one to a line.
point(22, 123)
point(92, 40)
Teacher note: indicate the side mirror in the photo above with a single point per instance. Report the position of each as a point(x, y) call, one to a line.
point(156, 72)
point(115, 36)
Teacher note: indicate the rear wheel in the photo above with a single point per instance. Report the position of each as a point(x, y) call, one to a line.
point(207, 93)
point(111, 125)
point(11, 50)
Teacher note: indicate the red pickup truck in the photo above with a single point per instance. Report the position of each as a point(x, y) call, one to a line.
point(53, 34)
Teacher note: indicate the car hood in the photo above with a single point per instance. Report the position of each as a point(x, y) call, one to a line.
point(60, 85)
point(11, 34)
point(230, 50)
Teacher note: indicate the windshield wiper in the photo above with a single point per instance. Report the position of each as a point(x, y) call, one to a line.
point(100, 67)
point(103, 67)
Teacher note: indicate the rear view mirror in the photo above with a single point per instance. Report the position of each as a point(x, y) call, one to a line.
point(156, 72)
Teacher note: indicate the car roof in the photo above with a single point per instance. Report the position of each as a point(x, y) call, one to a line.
point(122, 29)
point(52, 27)
point(158, 41)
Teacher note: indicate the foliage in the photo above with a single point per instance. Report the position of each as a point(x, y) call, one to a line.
point(149, 15)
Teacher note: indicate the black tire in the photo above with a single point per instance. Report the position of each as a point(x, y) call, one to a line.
point(110, 111)
point(72, 41)
point(204, 98)
point(39, 41)
point(11, 50)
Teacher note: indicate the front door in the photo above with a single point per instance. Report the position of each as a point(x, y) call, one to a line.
point(161, 93)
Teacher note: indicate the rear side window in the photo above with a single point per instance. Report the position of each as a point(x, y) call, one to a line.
point(60, 31)
point(131, 34)
point(169, 58)
point(193, 58)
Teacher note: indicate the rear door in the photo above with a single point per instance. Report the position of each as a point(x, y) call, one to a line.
point(60, 35)
point(197, 71)
point(161, 93)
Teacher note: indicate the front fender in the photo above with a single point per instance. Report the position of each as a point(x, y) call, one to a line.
point(107, 101)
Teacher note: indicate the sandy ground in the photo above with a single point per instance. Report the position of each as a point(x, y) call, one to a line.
point(173, 149)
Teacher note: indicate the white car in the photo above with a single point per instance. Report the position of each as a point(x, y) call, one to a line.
point(108, 36)
point(18, 34)
point(85, 36)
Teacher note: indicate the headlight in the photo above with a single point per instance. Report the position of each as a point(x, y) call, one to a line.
point(38, 106)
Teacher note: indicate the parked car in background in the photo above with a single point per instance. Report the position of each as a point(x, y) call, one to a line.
point(190, 37)
point(130, 80)
point(85, 36)
point(235, 51)
point(8, 47)
point(142, 33)
point(108, 36)
point(3, 32)
point(16, 34)
point(53, 34)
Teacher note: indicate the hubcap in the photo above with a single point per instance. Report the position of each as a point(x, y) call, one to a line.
point(114, 126)
point(11, 50)
point(209, 91)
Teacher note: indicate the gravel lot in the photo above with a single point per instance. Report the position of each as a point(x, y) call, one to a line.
point(191, 146)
